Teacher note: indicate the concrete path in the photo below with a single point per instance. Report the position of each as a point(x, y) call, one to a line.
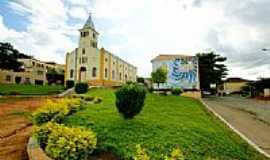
point(250, 117)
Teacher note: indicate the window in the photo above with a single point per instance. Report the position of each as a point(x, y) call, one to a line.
point(40, 72)
point(94, 35)
point(33, 63)
point(83, 51)
point(120, 76)
point(113, 75)
point(8, 78)
point(84, 34)
point(94, 72)
point(125, 77)
point(94, 44)
point(84, 59)
point(106, 59)
point(106, 72)
point(71, 73)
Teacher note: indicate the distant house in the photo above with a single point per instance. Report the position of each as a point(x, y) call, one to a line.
point(33, 72)
point(182, 71)
point(233, 85)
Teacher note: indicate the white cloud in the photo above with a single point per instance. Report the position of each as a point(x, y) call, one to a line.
point(78, 12)
point(139, 30)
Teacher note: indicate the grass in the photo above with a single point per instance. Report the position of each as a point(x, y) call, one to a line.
point(164, 123)
point(20, 89)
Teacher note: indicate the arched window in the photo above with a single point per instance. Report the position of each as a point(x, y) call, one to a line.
point(106, 72)
point(113, 75)
point(125, 77)
point(120, 76)
point(71, 73)
point(94, 72)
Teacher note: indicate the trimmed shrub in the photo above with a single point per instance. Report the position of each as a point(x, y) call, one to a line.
point(41, 133)
point(69, 84)
point(81, 88)
point(55, 110)
point(177, 91)
point(66, 143)
point(130, 100)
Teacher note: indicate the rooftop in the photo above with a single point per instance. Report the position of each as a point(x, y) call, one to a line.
point(170, 56)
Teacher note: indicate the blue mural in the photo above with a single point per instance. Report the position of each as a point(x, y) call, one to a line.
point(183, 73)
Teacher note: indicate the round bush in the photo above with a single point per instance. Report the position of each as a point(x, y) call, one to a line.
point(130, 100)
point(81, 88)
point(177, 91)
point(69, 84)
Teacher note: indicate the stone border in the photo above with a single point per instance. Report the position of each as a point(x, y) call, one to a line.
point(255, 146)
point(34, 151)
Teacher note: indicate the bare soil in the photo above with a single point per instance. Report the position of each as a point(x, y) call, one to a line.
point(248, 116)
point(15, 129)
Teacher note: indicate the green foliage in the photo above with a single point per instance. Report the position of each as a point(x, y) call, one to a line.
point(81, 88)
point(70, 83)
point(177, 91)
point(10, 89)
point(166, 121)
point(130, 100)
point(211, 69)
point(176, 154)
point(55, 111)
point(140, 80)
point(159, 76)
point(9, 56)
point(66, 143)
point(41, 133)
point(141, 154)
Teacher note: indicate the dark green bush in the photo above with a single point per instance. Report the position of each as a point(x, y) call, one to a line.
point(81, 88)
point(177, 91)
point(130, 99)
point(69, 84)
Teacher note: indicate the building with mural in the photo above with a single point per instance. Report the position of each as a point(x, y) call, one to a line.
point(182, 71)
point(98, 67)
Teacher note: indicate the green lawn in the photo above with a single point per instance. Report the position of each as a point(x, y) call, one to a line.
point(21, 89)
point(165, 122)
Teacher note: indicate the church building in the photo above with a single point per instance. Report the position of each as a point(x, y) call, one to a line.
point(98, 67)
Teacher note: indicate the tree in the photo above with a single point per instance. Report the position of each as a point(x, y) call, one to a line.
point(211, 69)
point(9, 56)
point(159, 76)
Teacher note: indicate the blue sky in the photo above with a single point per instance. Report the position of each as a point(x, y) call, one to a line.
point(137, 31)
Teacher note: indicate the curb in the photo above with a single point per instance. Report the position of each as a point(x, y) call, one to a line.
point(34, 151)
point(255, 146)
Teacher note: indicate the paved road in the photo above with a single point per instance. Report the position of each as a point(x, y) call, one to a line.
point(250, 117)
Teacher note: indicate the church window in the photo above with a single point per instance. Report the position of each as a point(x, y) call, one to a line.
point(106, 59)
point(106, 72)
point(83, 51)
point(71, 73)
point(84, 59)
point(94, 35)
point(125, 77)
point(94, 72)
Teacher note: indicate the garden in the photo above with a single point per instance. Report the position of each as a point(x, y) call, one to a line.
point(159, 128)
